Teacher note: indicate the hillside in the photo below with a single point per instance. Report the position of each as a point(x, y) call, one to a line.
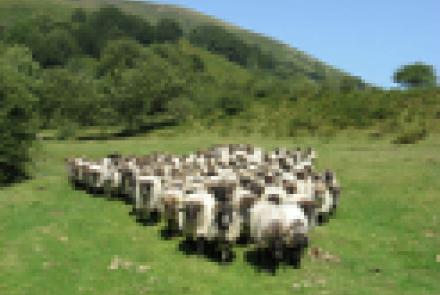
point(291, 58)
point(135, 67)
point(270, 73)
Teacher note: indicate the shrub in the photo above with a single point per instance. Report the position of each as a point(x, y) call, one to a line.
point(66, 130)
point(412, 128)
point(411, 135)
point(18, 120)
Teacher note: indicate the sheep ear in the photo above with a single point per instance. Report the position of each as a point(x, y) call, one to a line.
point(308, 203)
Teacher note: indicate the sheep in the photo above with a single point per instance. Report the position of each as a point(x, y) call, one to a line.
point(128, 171)
point(255, 155)
point(278, 228)
point(88, 168)
point(296, 156)
point(310, 155)
point(94, 179)
point(77, 170)
point(196, 221)
point(332, 184)
point(226, 227)
point(323, 196)
point(112, 186)
point(303, 181)
point(171, 205)
point(335, 192)
point(245, 200)
point(216, 196)
point(112, 175)
point(147, 193)
point(222, 154)
point(71, 167)
point(274, 194)
point(100, 174)
point(304, 200)
point(81, 172)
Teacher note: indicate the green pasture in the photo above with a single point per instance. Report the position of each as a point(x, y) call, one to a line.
point(384, 238)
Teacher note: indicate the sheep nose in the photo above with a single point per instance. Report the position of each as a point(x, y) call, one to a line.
point(275, 228)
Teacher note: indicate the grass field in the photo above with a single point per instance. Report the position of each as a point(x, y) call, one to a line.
point(384, 238)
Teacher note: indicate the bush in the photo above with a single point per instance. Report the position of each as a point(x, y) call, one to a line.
point(411, 135)
point(18, 120)
point(412, 128)
point(66, 130)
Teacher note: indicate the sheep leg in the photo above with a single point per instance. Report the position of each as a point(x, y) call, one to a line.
point(277, 250)
point(200, 245)
point(224, 250)
point(173, 226)
point(107, 189)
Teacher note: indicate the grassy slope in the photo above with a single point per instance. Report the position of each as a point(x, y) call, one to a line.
point(11, 10)
point(55, 240)
point(218, 66)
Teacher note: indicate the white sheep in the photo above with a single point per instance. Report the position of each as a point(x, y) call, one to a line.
point(278, 227)
point(148, 190)
point(81, 173)
point(71, 166)
point(244, 199)
point(325, 199)
point(171, 202)
point(274, 194)
point(94, 179)
point(129, 171)
point(197, 213)
point(333, 186)
point(226, 221)
point(112, 179)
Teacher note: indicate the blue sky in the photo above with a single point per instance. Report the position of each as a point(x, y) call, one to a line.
point(366, 38)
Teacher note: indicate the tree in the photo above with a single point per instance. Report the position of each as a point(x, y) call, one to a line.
point(79, 15)
point(119, 55)
point(349, 84)
point(141, 92)
point(415, 75)
point(68, 97)
point(99, 27)
point(168, 30)
point(110, 23)
point(59, 45)
point(51, 43)
point(18, 119)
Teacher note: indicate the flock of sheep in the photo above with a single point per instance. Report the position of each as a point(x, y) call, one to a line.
point(221, 195)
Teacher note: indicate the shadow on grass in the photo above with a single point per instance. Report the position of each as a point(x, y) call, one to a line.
point(150, 220)
point(125, 133)
point(206, 249)
point(324, 218)
point(16, 179)
point(99, 193)
point(167, 233)
point(264, 261)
